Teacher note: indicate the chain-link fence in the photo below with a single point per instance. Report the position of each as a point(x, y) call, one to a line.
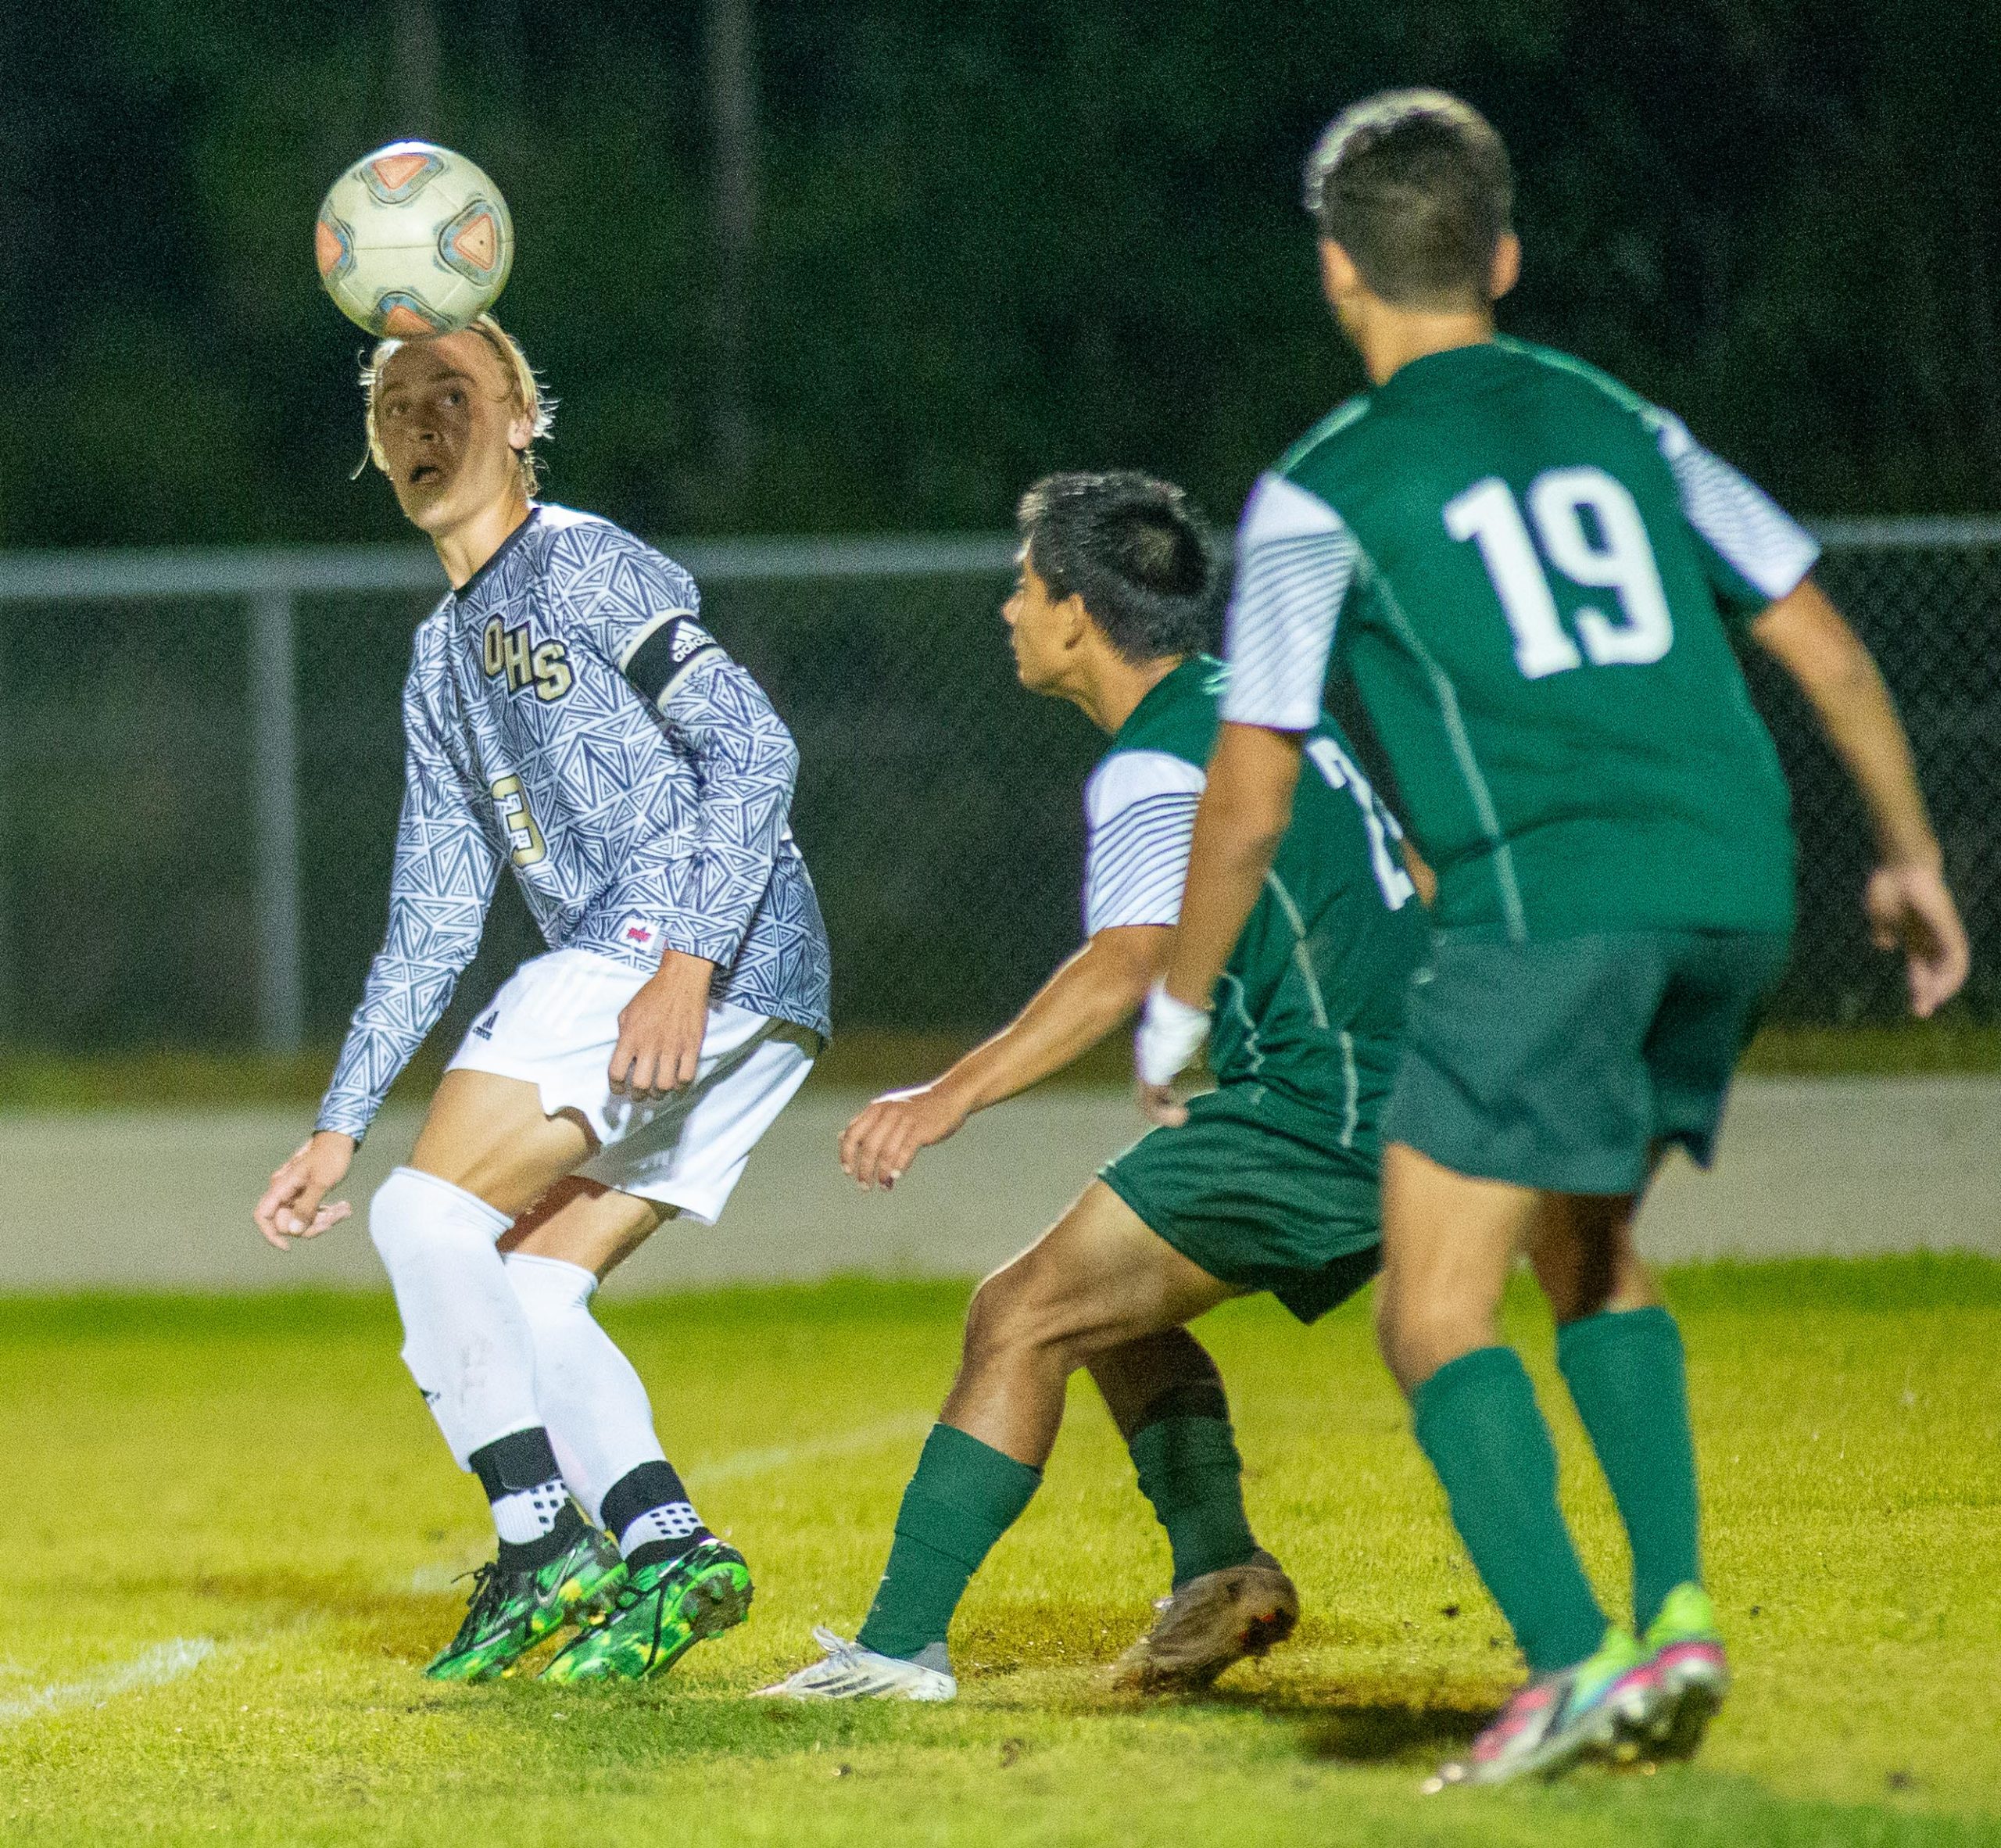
point(200, 768)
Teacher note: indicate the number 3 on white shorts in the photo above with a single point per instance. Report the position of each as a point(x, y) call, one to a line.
point(1618, 557)
point(1342, 772)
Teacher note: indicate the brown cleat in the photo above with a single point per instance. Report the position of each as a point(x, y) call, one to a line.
point(1205, 1625)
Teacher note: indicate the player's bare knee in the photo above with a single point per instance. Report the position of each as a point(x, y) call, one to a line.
point(1013, 1313)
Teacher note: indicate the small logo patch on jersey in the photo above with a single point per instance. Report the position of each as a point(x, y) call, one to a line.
point(639, 935)
point(484, 1030)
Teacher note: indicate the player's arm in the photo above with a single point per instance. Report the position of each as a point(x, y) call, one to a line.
point(1757, 559)
point(1909, 904)
point(1139, 810)
point(1243, 816)
point(1295, 558)
point(445, 873)
point(1093, 995)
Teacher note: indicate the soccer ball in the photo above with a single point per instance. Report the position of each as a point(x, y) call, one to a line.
point(413, 240)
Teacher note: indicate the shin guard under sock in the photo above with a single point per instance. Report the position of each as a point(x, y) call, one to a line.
point(965, 1496)
point(593, 1402)
point(1628, 1379)
point(1189, 1471)
point(466, 1341)
point(1477, 1421)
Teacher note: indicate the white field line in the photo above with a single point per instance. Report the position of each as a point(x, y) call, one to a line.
point(739, 1463)
point(163, 1662)
point(785, 1456)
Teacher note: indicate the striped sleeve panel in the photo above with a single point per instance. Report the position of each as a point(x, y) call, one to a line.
point(1746, 529)
point(1295, 560)
point(1139, 807)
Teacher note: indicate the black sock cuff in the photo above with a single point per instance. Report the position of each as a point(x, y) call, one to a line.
point(1186, 1399)
point(521, 1460)
point(651, 1485)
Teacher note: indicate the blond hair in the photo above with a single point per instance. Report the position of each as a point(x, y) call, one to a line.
point(529, 397)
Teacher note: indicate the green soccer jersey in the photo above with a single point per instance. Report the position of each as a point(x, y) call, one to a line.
point(1531, 574)
point(1311, 1003)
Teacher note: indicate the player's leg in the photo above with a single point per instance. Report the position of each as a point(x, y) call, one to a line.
point(1620, 1354)
point(1229, 1598)
point(1449, 1242)
point(485, 1150)
point(683, 1159)
point(1098, 1278)
point(1165, 1395)
point(678, 1582)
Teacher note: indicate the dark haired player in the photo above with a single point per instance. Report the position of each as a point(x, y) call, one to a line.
point(1269, 1184)
point(567, 715)
point(1534, 577)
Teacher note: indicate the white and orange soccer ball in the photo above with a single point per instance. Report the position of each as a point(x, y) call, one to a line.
point(413, 240)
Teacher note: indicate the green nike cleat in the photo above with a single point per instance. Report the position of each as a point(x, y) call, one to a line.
point(1690, 1676)
point(510, 1611)
point(660, 1612)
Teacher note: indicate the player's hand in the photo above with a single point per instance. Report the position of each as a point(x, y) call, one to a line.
point(1911, 909)
point(1171, 1033)
point(661, 1029)
point(292, 1207)
point(880, 1145)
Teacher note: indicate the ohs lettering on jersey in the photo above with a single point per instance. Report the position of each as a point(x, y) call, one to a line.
point(511, 652)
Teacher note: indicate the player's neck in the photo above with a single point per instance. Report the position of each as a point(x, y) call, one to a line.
point(463, 548)
point(1389, 338)
point(1119, 688)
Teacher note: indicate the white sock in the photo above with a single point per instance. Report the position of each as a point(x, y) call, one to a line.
point(600, 1422)
point(529, 1513)
point(676, 1520)
point(466, 1341)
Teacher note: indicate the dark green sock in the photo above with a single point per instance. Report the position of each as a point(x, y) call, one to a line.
point(1189, 1471)
point(1626, 1374)
point(965, 1496)
point(1477, 1421)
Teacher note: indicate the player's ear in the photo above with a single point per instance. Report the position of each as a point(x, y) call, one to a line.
point(1075, 619)
point(1340, 275)
point(1507, 271)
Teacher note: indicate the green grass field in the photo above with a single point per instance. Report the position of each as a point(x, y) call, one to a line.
point(240, 1527)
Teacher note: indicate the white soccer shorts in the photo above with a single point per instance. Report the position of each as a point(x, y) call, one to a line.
point(554, 1026)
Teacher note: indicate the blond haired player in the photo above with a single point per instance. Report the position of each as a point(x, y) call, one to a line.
point(568, 716)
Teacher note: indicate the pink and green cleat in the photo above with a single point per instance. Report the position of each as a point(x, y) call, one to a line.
point(1557, 1719)
point(1690, 1676)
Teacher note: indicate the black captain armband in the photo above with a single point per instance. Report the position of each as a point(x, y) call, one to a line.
point(667, 650)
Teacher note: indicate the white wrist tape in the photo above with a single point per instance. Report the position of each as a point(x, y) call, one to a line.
point(1171, 1033)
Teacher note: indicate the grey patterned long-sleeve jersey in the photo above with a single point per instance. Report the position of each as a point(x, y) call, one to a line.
point(566, 714)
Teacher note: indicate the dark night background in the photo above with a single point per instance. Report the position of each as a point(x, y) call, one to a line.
point(992, 237)
point(877, 270)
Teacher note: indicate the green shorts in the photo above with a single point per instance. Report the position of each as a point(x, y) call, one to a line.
point(1564, 1064)
point(1260, 1196)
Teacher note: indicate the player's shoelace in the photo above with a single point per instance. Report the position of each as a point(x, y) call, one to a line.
point(488, 1594)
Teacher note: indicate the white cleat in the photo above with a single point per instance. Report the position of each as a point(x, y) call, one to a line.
point(850, 1672)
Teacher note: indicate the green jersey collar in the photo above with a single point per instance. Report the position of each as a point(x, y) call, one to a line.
point(1199, 675)
point(1441, 374)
